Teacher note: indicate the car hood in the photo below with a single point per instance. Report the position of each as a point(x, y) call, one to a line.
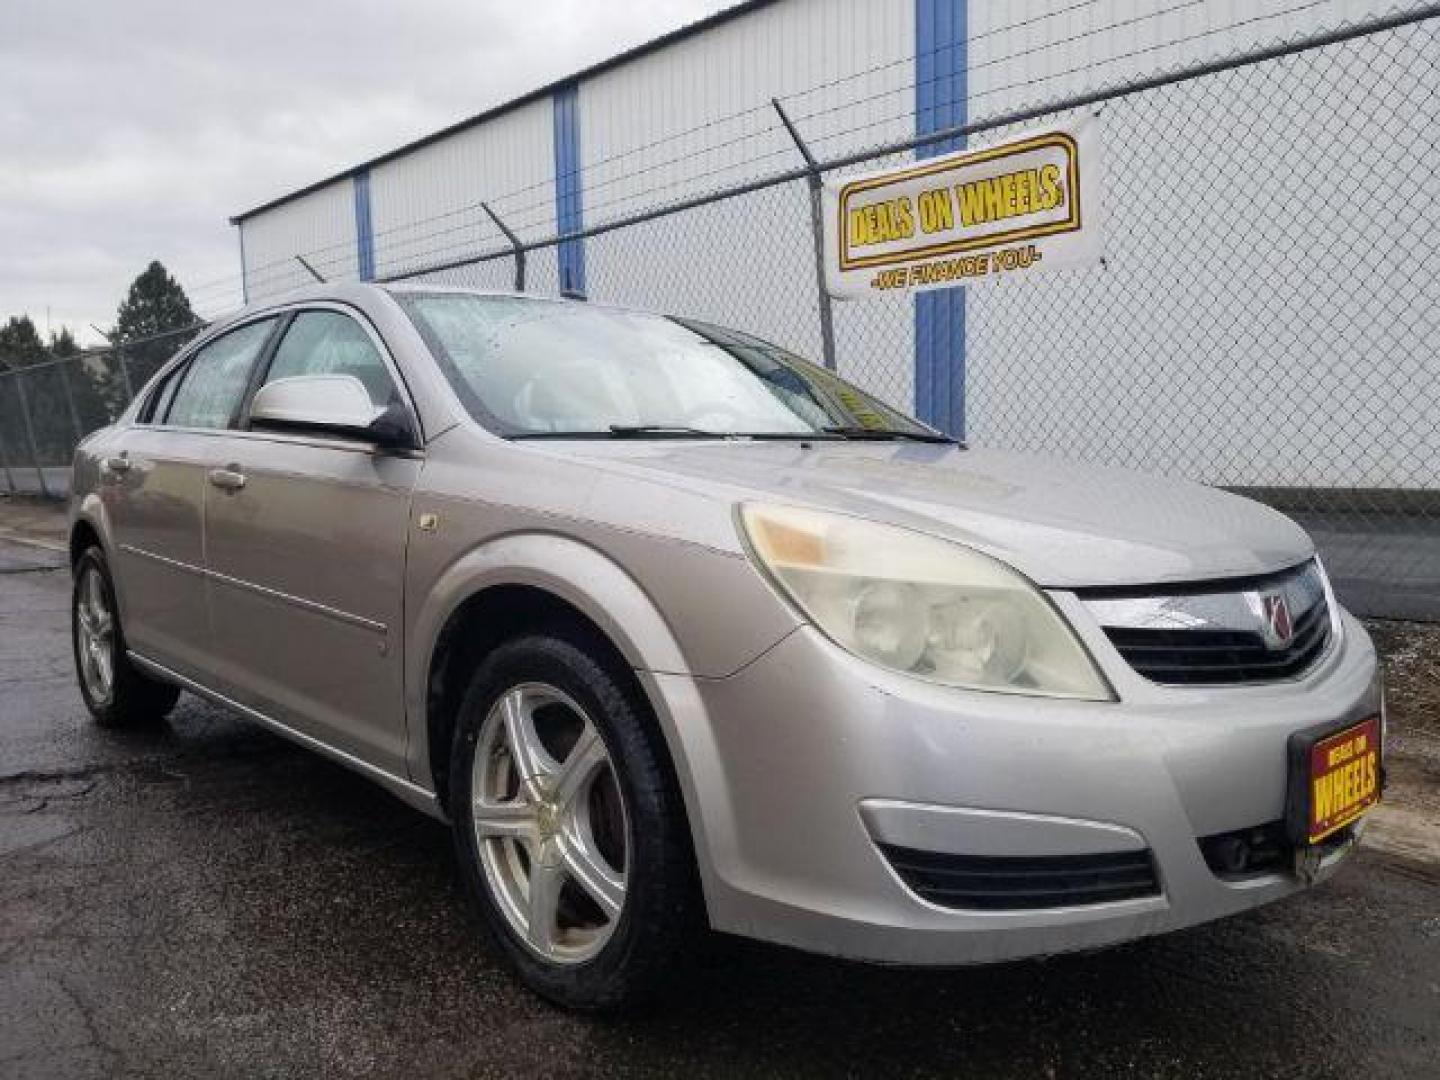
point(1064, 525)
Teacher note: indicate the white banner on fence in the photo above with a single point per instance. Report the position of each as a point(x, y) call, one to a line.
point(1026, 204)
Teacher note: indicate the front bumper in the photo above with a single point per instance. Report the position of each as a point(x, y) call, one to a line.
point(798, 767)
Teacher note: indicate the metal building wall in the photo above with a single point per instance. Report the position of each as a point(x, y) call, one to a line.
point(426, 204)
point(696, 116)
point(321, 226)
point(1022, 52)
point(1163, 379)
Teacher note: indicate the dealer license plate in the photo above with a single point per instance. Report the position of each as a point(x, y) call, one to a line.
point(1334, 778)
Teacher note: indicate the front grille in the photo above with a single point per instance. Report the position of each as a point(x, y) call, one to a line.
point(1214, 633)
point(992, 884)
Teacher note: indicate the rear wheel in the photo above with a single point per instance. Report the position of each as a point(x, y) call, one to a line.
point(568, 827)
point(117, 693)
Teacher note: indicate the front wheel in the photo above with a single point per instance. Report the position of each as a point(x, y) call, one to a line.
point(117, 693)
point(569, 830)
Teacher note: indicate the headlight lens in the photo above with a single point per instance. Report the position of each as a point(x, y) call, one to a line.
point(920, 605)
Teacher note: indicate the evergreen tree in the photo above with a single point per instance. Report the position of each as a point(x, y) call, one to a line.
point(154, 305)
point(63, 343)
point(53, 396)
point(20, 344)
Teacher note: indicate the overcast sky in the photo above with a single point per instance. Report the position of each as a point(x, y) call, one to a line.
point(133, 129)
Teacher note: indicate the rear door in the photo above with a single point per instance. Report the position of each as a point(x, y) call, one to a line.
point(305, 544)
point(153, 481)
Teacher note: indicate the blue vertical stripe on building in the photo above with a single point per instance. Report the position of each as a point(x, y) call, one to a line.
point(364, 229)
point(569, 209)
point(940, 102)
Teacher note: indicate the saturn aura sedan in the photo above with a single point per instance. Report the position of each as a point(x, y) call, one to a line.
point(679, 630)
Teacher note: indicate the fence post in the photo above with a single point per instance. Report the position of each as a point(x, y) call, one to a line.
point(817, 229)
point(30, 433)
point(5, 462)
point(514, 243)
point(70, 401)
point(124, 375)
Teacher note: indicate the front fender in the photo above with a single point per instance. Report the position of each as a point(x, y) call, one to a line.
point(608, 595)
point(623, 608)
point(568, 569)
point(565, 568)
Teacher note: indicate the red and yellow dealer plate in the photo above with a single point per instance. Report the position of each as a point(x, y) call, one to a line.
point(1341, 777)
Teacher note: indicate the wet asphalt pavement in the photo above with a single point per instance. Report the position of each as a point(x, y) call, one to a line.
point(207, 900)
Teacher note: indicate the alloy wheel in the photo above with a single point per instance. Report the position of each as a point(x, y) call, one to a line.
point(550, 823)
point(95, 626)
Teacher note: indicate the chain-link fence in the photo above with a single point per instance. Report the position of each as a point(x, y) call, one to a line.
point(47, 408)
point(1265, 318)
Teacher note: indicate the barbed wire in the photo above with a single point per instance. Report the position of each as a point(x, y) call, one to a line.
point(406, 245)
point(972, 96)
point(336, 256)
point(591, 165)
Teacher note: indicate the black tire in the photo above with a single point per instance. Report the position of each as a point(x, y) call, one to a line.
point(659, 919)
point(134, 698)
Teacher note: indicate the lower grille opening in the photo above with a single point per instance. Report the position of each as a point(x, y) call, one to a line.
point(1257, 850)
point(1243, 853)
point(989, 883)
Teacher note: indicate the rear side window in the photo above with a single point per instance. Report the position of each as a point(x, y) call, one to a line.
point(212, 387)
point(329, 343)
point(161, 397)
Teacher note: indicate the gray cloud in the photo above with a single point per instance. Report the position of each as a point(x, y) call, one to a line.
point(132, 129)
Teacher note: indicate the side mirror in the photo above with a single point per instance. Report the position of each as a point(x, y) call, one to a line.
point(332, 404)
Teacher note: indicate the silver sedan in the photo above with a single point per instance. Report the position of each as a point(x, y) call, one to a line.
point(679, 630)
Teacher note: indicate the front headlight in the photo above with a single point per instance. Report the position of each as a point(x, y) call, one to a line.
point(921, 605)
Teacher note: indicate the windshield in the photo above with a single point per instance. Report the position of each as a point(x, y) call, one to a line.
point(535, 368)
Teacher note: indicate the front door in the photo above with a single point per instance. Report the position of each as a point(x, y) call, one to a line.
point(305, 548)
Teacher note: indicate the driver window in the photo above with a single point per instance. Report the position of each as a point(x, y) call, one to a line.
point(329, 343)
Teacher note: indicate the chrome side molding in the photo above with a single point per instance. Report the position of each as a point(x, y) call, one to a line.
point(312, 606)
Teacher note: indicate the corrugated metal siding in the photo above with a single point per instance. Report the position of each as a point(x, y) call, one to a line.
point(696, 116)
point(426, 205)
point(321, 226)
point(1025, 52)
point(1170, 358)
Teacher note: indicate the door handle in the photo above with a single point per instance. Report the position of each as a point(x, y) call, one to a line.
point(227, 479)
point(117, 464)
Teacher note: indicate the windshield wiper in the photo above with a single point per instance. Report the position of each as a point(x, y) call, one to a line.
point(886, 434)
point(685, 431)
point(674, 430)
point(625, 431)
